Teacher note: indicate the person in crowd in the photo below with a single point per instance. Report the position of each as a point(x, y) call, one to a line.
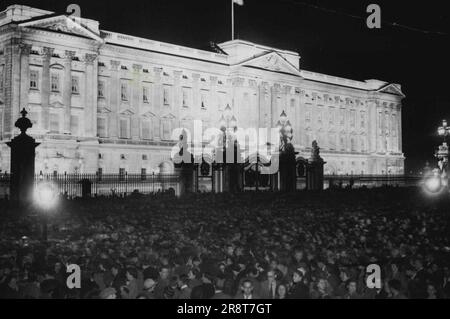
point(281, 292)
point(268, 288)
point(130, 291)
point(185, 291)
point(219, 285)
point(148, 288)
point(247, 291)
point(299, 290)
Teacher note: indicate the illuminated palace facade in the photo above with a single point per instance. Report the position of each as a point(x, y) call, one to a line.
point(101, 100)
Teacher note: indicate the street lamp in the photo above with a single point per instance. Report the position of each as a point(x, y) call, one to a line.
point(46, 198)
point(444, 130)
point(227, 121)
point(285, 129)
point(442, 153)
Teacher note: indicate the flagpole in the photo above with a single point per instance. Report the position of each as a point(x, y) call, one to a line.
point(232, 19)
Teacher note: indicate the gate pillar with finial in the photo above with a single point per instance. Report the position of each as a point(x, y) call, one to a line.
point(22, 162)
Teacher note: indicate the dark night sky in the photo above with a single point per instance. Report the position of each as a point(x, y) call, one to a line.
point(331, 43)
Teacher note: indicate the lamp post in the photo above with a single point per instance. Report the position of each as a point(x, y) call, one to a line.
point(444, 130)
point(287, 172)
point(443, 152)
point(227, 121)
point(285, 129)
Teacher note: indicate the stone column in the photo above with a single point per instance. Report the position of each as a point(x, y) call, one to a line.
point(274, 113)
point(177, 94)
point(157, 101)
point(300, 116)
point(399, 127)
point(372, 126)
point(136, 101)
point(213, 107)
point(24, 74)
point(67, 89)
point(262, 106)
point(113, 125)
point(45, 87)
point(90, 110)
point(238, 93)
point(253, 121)
point(195, 95)
point(11, 90)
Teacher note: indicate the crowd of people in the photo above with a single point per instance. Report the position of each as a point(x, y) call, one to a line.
point(247, 246)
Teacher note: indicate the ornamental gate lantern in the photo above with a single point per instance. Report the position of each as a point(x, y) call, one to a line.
point(22, 162)
point(287, 153)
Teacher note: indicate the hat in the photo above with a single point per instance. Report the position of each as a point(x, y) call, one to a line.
point(107, 292)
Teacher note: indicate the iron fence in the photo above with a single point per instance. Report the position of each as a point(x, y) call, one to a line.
point(75, 185)
point(356, 181)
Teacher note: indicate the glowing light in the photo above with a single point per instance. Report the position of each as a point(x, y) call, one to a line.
point(46, 195)
point(433, 184)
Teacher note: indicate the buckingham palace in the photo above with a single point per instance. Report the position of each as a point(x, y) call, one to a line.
point(104, 101)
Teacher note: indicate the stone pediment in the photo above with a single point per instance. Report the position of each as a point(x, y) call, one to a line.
point(271, 61)
point(168, 116)
point(392, 89)
point(148, 115)
point(103, 110)
point(62, 23)
point(127, 112)
point(57, 104)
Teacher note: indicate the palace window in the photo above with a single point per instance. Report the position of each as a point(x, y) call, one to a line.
point(34, 80)
point(363, 119)
point(352, 118)
point(342, 116)
point(145, 94)
point(166, 129)
point(204, 97)
point(331, 115)
point(331, 141)
point(185, 97)
point(166, 96)
point(352, 144)
point(394, 125)
point(55, 82)
point(124, 131)
point(342, 142)
point(221, 101)
point(101, 89)
point(124, 95)
point(363, 144)
point(308, 140)
point(292, 103)
point(147, 129)
point(74, 125)
point(75, 85)
point(101, 127)
point(308, 113)
point(54, 123)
